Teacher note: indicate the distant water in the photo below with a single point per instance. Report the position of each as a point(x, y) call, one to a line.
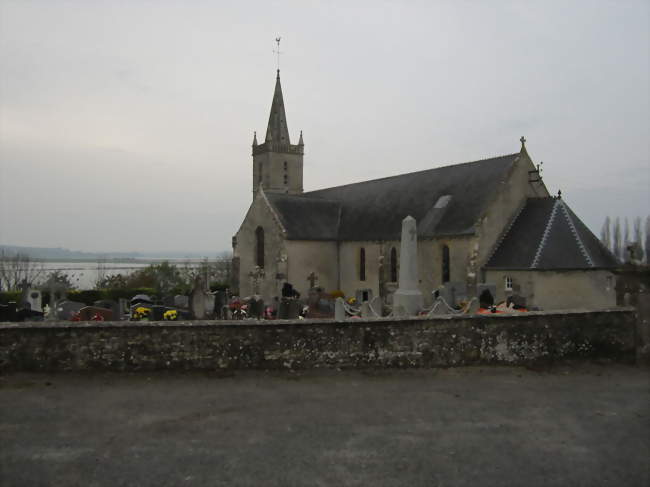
point(84, 275)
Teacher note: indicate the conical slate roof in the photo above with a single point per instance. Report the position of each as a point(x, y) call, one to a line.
point(547, 235)
point(277, 129)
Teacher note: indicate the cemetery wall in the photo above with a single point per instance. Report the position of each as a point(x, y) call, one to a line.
point(560, 289)
point(412, 342)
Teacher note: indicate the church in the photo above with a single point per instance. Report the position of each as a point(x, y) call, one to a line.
point(485, 222)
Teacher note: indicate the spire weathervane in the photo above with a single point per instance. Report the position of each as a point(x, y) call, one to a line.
point(278, 52)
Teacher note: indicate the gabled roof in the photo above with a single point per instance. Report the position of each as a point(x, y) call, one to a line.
point(547, 235)
point(306, 218)
point(445, 201)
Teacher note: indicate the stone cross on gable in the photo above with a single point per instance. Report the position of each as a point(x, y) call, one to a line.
point(312, 278)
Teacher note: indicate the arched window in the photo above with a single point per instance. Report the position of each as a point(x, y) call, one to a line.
point(362, 264)
point(259, 246)
point(446, 267)
point(393, 265)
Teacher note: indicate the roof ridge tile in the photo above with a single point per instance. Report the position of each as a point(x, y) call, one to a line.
point(547, 231)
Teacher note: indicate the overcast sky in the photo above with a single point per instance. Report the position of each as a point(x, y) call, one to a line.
point(126, 125)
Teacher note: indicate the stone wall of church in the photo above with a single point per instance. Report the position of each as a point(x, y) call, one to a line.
point(501, 212)
point(260, 215)
point(554, 290)
point(430, 263)
point(278, 172)
point(350, 261)
point(306, 257)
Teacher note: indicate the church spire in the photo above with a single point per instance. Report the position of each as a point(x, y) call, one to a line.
point(277, 130)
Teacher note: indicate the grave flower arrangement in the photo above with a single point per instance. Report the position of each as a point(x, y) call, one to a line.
point(141, 314)
point(170, 315)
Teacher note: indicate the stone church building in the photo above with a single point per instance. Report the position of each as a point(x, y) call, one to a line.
point(487, 221)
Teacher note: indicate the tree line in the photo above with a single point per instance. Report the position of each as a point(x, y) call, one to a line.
point(628, 243)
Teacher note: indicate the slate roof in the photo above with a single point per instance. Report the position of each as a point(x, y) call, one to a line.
point(547, 235)
point(445, 201)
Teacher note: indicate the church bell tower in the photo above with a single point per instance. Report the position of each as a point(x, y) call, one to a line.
point(277, 164)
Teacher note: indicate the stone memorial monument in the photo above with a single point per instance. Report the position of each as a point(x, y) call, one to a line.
point(408, 294)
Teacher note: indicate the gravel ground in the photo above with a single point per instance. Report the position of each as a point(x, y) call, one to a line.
point(573, 425)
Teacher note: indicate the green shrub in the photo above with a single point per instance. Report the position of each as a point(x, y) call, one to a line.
point(6, 296)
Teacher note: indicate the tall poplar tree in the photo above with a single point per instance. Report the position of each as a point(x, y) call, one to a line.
point(605, 234)
point(616, 245)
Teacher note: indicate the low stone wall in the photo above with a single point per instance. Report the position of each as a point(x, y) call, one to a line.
point(413, 342)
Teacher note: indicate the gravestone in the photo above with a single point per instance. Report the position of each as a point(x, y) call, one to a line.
point(256, 308)
point(87, 313)
point(168, 301)
point(197, 300)
point(27, 314)
point(114, 306)
point(325, 306)
point(408, 295)
point(141, 299)
point(289, 309)
point(157, 312)
point(363, 295)
point(481, 289)
point(181, 301)
point(57, 293)
point(339, 309)
point(35, 299)
point(65, 309)
point(219, 303)
point(122, 306)
point(8, 312)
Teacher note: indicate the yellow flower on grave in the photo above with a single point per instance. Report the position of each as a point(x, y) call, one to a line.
point(170, 315)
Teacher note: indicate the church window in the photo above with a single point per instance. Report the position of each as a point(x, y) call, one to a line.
point(259, 247)
point(446, 266)
point(285, 165)
point(286, 179)
point(508, 283)
point(393, 265)
point(362, 264)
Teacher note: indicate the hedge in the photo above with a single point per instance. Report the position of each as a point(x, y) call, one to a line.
point(86, 296)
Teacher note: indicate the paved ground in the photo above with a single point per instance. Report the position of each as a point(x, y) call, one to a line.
point(585, 425)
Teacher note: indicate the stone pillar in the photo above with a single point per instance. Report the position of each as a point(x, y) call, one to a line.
point(339, 310)
point(408, 293)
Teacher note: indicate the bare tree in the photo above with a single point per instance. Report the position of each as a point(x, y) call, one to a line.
point(18, 269)
point(605, 234)
point(617, 244)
